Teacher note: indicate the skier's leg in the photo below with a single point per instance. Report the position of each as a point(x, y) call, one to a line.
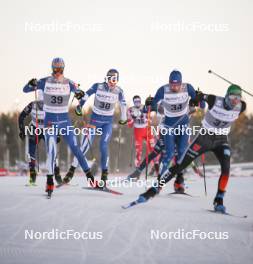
point(104, 142)
point(155, 153)
point(138, 135)
point(57, 175)
point(181, 145)
point(32, 162)
point(50, 140)
point(168, 153)
point(222, 153)
point(195, 149)
point(86, 141)
point(71, 139)
point(151, 145)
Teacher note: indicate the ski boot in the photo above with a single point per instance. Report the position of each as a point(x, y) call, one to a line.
point(218, 202)
point(104, 177)
point(68, 177)
point(57, 175)
point(91, 181)
point(50, 185)
point(134, 175)
point(179, 183)
point(33, 175)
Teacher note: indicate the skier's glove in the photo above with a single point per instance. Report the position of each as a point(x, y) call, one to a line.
point(122, 122)
point(79, 94)
point(78, 110)
point(199, 96)
point(22, 134)
point(149, 101)
point(33, 82)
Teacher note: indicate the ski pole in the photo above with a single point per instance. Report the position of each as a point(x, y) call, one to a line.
point(132, 150)
point(204, 171)
point(226, 80)
point(37, 126)
point(117, 169)
point(147, 141)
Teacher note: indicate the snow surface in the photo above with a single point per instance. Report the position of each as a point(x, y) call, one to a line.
point(126, 233)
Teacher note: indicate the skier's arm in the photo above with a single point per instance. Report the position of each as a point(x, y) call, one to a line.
point(157, 98)
point(130, 120)
point(33, 85)
point(152, 102)
point(193, 95)
point(244, 106)
point(88, 93)
point(26, 111)
point(123, 106)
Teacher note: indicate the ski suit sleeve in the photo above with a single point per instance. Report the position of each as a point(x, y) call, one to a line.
point(40, 86)
point(88, 93)
point(26, 111)
point(130, 120)
point(123, 106)
point(244, 106)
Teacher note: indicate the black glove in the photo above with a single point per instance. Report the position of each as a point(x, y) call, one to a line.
point(149, 101)
point(33, 82)
point(199, 96)
point(79, 94)
point(22, 134)
point(58, 139)
point(122, 122)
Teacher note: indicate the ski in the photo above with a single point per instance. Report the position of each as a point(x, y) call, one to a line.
point(138, 201)
point(104, 189)
point(228, 214)
point(66, 184)
point(187, 194)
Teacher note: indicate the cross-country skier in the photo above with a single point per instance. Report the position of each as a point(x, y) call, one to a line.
point(175, 97)
point(222, 112)
point(137, 119)
point(159, 149)
point(56, 92)
point(107, 94)
point(35, 110)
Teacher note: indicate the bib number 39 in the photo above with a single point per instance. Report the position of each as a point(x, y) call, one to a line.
point(56, 99)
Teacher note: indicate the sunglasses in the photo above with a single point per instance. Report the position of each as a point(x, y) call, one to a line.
point(234, 97)
point(56, 70)
point(112, 79)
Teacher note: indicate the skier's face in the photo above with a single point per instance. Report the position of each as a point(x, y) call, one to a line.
point(234, 99)
point(58, 72)
point(175, 87)
point(112, 81)
point(137, 102)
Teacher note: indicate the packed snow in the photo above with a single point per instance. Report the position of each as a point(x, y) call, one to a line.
point(141, 234)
